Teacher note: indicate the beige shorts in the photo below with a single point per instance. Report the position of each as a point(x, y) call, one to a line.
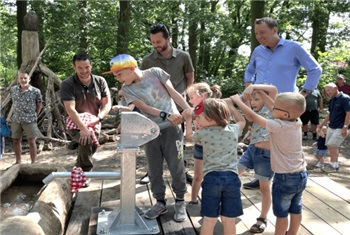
point(334, 137)
point(31, 130)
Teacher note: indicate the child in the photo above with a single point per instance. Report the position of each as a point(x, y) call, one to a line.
point(321, 149)
point(257, 156)
point(151, 91)
point(197, 93)
point(287, 158)
point(221, 184)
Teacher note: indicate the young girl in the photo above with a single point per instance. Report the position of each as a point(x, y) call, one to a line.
point(221, 184)
point(197, 93)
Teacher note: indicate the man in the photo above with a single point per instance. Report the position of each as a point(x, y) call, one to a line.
point(86, 98)
point(175, 62)
point(277, 61)
point(27, 104)
point(342, 85)
point(338, 127)
point(314, 106)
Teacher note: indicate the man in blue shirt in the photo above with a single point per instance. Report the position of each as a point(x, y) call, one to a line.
point(277, 61)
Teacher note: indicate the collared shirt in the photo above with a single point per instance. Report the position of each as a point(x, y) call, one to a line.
point(338, 106)
point(345, 88)
point(87, 98)
point(281, 66)
point(219, 147)
point(177, 65)
point(25, 104)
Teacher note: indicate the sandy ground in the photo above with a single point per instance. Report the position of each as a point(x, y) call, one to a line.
point(108, 159)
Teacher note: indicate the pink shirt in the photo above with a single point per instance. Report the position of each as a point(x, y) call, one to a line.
point(286, 146)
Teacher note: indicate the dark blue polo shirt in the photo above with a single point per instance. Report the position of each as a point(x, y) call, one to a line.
point(338, 107)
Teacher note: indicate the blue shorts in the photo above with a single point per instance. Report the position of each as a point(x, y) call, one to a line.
point(320, 152)
point(221, 195)
point(257, 159)
point(287, 192)
point(198, 152)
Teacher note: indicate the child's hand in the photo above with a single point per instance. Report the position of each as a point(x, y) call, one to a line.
point(187, 114)
point(247, 93)
point(236, 98)
point(175, 118)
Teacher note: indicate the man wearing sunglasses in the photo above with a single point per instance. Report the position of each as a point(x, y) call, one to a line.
point(175, 62)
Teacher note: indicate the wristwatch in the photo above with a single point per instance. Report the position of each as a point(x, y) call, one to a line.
point(101, 119)
point(163, 115)
point(345, 126)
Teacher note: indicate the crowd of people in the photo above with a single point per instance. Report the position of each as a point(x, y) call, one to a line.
point(272, 104)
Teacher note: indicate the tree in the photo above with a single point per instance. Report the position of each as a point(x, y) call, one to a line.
point(21, 11)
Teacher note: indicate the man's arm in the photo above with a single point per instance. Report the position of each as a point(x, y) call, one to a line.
point(189, 79)
point(39, 106)
point(313, 69)
point(106, 106)
point(346, 124)
point(74, 115)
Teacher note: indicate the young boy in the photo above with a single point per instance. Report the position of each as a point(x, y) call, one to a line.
point(257, 156)
point(287, 159)
point(221, 184)
point(322, 148)
point(151, 91)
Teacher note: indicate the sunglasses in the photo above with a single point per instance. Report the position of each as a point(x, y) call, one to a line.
point(274, 108)
point(158, 27)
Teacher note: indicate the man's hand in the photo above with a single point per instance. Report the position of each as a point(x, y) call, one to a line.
point(85, 137)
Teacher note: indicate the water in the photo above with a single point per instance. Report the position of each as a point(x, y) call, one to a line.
point(18, 199)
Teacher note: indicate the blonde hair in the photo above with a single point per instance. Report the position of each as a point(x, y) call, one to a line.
point(204, 88)
point(293, 102)
point(217, 110)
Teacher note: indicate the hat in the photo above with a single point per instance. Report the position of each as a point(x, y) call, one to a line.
point(341, 76)
point(120, 62)
point(199, 108)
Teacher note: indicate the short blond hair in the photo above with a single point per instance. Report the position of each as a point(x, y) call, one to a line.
point(293, 102)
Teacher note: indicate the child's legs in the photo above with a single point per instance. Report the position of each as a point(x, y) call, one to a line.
point(281, 226)
point(287, 190)
point(264, 173)
point(197, 179)
point(229, 225)
point(208, 225)
point(173, 155)
point(155, 161)
point(295, 221)
point(246, 160)
point(266, 198)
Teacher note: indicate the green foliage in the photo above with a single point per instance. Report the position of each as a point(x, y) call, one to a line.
point(220, 28)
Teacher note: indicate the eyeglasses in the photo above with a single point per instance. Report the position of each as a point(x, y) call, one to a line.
point(274, 108)
point(159, 27)
point(121, 97)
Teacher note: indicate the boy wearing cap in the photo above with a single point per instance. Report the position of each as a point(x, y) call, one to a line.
point(151, 91)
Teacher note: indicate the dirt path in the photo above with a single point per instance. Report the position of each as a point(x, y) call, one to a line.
point(107, 159)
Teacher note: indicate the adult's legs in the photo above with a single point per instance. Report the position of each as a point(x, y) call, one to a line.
point(32, 149)
point(17, 148)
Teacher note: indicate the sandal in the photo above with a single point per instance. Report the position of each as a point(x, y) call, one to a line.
point(259, 228)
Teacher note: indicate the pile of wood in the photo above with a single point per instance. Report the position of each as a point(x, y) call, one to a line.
point(51, 120)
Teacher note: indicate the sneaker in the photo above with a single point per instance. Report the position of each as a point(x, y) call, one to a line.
point(319, 165)
point(180, 211)
point(252, 185)
point(157, 210)
point(144, 179)
point(189, 178)
point(329, 169)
